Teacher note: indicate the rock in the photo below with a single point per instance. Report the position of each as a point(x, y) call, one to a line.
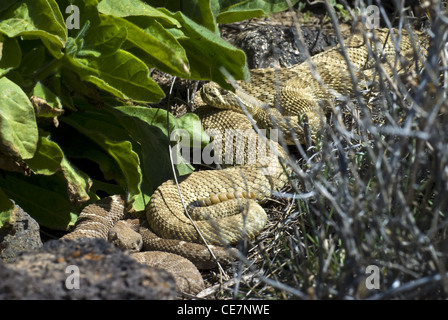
point(21, 234)
point(269, 46)
point(82, 269)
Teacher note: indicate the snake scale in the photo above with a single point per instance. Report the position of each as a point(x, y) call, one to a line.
point(225, 204)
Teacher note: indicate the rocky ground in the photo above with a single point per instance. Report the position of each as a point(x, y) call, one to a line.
point(72, 269)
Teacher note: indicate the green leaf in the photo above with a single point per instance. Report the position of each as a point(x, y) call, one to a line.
point(148, 128)
point(156, 43)
point(6, 208)
point(233, 11)
point(164, 121)
point(120, 73)
point(43, 197)
point(104, 130)
point(127, 8)
point(239, 15)
point(78, 183)
point(159, 46)
point(6, 4)
point(210, 12)
point(192, 124)
point(47, 159)
point(33, 57)
point(80, 147)
point(54, 107)
point(104, 38)
point(36, 18)
point(206, 17)
point(10, 55)
point(18, 128)
point(211, 57)
point(199, 11)
point(88, 14)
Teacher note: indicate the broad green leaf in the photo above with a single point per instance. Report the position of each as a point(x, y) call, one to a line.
point(18, 128)
point(127, 8)
point(36, 18)
point(47, 158)
point(233, 11)
point(88, 15)
point(211, 57)
point(127, 160)
point(10, 55)
point(239, 15)
point(100, 120)
point(160, 47)
point(111, 171)
point(165, 122)
point(6, 208)
point(43, 197)
point(103, 39)
point(108, 188)
point(51, 99)
point(6, 4)
point(151, 116)
point(198, 10)
point(107, 134)
point(206, 17)
point(153, 39)
point(192, 124)
point(80, 149)
point(148, 127)
point(33, 57)
point(78, 183)
point(120, 73)
point(210, 12)
point(94, 36)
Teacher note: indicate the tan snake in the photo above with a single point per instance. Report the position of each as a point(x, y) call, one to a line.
point(274, 98)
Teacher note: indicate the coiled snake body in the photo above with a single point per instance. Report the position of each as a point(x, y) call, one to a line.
point(274, 98)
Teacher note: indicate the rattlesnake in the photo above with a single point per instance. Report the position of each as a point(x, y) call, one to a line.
point(236, 192)
point(304, 92)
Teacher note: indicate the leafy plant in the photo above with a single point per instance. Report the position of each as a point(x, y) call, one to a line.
point(74, 92)
point(341, 11)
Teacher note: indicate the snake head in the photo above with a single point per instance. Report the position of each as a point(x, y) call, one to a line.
point(217, 97)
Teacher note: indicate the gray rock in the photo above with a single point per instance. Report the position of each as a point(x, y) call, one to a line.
point(268, 46)
point(82, 269)
point(21, 234)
